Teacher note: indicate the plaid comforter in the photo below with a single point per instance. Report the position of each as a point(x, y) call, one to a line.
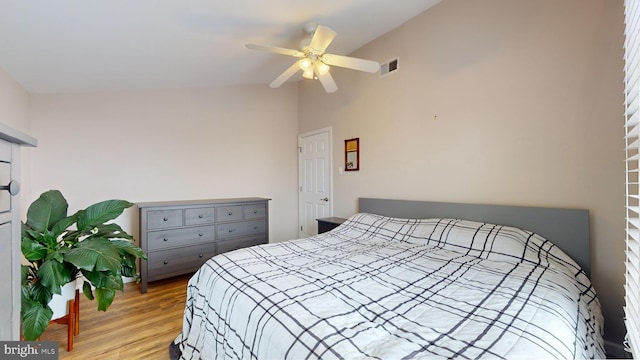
point(387, 288)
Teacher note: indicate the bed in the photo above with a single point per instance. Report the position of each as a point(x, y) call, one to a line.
point(400, 280)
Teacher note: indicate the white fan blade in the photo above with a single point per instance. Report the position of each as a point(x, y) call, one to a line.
point(369, 66)
point(275, 49)
point(285, 75)
point(322, 37)
point(327, 82)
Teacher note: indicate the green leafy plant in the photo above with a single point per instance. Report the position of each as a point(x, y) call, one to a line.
point(61, 248)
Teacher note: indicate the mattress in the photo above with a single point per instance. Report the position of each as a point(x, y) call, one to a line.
point(386, 288)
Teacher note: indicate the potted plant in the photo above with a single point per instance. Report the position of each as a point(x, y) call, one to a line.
point(61, 248)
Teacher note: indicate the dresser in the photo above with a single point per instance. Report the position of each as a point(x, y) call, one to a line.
point(10, 142)
point(179, 236)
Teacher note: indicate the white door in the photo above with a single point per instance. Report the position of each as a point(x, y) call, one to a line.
point(314, 179)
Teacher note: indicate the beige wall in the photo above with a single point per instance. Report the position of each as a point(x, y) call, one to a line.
point(528, 99)
point(14, 103)
point(170, 145)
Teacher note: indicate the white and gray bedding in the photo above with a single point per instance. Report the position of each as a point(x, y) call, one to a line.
point(387, 288)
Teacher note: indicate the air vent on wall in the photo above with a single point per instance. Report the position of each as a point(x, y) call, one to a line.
point(389, 67)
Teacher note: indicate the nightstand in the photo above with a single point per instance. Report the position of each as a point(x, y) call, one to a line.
point(329, 223)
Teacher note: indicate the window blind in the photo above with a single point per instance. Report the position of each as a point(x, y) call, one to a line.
point(632, 140)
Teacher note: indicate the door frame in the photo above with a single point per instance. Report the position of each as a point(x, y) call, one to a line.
point(329, 131)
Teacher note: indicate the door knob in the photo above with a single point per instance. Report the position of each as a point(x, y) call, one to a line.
point(325, 199)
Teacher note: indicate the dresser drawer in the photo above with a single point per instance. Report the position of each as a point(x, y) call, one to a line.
point(233, 244)
point(5, 178)
point(160, 219)
point(5, 151)
point(197, 216)
point(254, 211)
point(178, 261)
point(229, 213)
point(238, 229)
point(164, 239)
point(178, 236)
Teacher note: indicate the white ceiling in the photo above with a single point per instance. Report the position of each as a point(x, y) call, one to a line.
point(55, 46)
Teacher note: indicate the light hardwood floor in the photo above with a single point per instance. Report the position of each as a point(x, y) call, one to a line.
point(136, 326)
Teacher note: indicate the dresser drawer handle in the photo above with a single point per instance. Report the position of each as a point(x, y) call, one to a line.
point(230, 213)
point(13, 187)
point(255, 227)
point(165, 239)
point(165, 219)
point(166, 262)
point(255, 211)
point(200, 255)
point(200, 216)
point(201, 234)
point(230, 230)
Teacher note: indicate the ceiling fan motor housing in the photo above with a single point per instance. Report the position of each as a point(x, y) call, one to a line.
point(310, 28)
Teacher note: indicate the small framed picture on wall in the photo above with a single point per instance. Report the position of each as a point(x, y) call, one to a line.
point(352, 154)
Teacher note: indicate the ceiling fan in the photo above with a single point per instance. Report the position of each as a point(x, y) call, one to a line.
point(313, 60)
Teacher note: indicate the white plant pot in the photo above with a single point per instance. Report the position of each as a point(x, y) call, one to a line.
point(60, 303)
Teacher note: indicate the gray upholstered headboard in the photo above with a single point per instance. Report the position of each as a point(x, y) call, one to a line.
point(567, 228)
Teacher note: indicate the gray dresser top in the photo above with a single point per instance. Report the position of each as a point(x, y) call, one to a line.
point(15, 136)
point(199, 202)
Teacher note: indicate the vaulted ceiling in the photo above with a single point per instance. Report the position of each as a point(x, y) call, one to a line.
point(61, 46)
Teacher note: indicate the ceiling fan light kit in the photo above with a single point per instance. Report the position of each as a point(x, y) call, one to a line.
point(313, 61)
point(308, 74)
point(305, 64)
point(322, 68)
